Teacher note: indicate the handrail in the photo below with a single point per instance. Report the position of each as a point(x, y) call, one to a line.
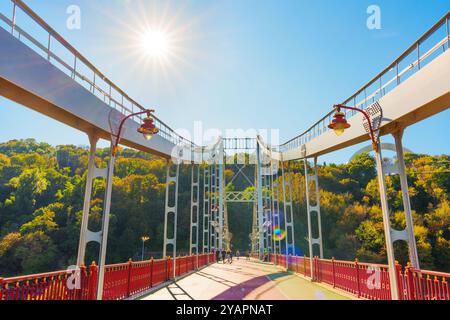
point(321, 127)
point(165, 131)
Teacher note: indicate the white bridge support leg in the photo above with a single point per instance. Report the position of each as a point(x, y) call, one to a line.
point(387, 226)
point(288, 212)
point(313, 208)
point(171, 209)
point(213, 237)
point(195, 195)
point(91, 172)
point(206, 208)
point(259, 206)
point(101, 237)
point(105, 226)
point(221, 203)
point(408, 233)
point(275, 212)
point(268, 219)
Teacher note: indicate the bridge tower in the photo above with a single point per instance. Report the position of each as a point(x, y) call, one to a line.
point(313, 207)
point(86, 235)
point(171, 211)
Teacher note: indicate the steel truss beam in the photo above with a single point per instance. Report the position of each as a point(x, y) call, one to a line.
point(240, 196)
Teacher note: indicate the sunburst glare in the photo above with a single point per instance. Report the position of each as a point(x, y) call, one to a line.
point(155, 43)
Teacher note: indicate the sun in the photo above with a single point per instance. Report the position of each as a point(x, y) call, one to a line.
point(155, 43)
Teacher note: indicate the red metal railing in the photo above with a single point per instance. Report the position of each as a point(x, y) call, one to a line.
point(59, 285)
point(423, 285)
point(368, 280)
point(121, 280)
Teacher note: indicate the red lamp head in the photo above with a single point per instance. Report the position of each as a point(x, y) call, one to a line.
point(339, 122)
point(148, 128)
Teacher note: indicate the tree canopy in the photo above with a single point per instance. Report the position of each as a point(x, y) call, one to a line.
point(42, 192)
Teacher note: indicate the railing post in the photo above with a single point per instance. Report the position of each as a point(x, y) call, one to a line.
point(304, 265)
point(130, 266)
point(13, 24)
point(357, 278)
point(418, 55)
point(448, 33)
point(410, 283)
point(92, 283)
point(151, 272)
point(1, 288)
point(80, 290)
point(167, 268)
point(334, 272)
point(398, 275)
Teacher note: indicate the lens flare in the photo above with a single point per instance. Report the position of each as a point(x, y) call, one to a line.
point(278, 233)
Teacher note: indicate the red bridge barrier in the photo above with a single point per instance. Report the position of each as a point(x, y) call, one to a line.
point(121, 280)
point(368, 280)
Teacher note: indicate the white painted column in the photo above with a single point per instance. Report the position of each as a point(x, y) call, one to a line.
point(194, 223)
point(105, 226)
point(171, 210)
point(87, 201)
point(387, 226)
point(413, 255)
point(259, 207)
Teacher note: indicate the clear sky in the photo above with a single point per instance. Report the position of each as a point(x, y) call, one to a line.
point(238, 64)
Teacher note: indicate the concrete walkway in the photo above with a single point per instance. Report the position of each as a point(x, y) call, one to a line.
point(243, 280)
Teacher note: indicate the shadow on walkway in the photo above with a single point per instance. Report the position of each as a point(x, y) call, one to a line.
point(240, 291)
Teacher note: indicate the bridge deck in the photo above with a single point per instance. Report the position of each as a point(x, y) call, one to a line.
point(243, 280)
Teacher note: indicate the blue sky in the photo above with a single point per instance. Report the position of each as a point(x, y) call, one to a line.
point(240, 64)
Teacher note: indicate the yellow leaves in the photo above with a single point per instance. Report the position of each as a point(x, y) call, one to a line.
point(9, 241)
point(332, 201)
point(4, 160)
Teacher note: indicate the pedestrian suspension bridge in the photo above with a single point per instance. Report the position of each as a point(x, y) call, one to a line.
point(53, 78)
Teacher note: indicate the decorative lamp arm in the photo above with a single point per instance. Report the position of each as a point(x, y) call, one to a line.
point(372, 135)
point(116, 144)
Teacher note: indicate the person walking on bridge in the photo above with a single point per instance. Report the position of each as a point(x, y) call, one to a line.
point(229, 256)
point(223, 255)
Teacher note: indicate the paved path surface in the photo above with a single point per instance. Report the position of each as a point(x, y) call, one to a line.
point(243, 280)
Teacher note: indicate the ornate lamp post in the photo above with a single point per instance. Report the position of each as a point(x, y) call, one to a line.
point(148, 129)
point(339, 124)
point(144, 239)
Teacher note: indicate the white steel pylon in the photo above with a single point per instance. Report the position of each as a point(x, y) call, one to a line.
point(101, 237)
point(408, 233)
point(171, 208)
point(259, 203)
point(194, 225)
point(288, 210)
point(313, 208)
point(206, 207)
point(267, 206)
point(213, 208)
point(275, 210)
